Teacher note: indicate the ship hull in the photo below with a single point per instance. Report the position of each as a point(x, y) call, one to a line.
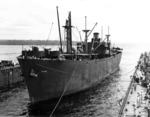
point(53, 78)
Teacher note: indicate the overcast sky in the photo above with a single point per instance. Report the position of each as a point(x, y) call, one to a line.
point(129, 20)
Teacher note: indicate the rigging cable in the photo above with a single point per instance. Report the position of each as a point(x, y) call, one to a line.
point(79, 33)
point(65, 88)
point(49, 33)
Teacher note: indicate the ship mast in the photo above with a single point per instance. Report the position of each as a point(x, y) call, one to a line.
point(86, 36)
point(68, 30)
point(108, 41)
point(59, 29)
point(107, 36)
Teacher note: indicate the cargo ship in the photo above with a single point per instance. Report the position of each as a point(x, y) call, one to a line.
point(10, 74)
point(51, 74)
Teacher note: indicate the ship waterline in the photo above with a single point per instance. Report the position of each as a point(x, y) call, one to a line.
point(48, 79)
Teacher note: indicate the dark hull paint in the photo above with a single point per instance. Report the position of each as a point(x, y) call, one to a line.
point(68, 76)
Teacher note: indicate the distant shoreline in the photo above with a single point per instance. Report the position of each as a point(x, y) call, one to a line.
point(31, 42)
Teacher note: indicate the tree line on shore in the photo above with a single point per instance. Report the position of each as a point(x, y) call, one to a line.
point(31, 42)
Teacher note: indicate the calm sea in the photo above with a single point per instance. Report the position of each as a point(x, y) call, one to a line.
point(99, 101)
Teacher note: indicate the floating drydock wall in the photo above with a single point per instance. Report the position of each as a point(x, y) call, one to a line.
point(9, 76)
point(137, 99)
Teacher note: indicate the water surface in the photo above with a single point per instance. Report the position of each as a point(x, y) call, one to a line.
point(102, 100)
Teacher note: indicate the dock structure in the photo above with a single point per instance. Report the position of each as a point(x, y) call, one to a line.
point(10, 76)
point(136, 102)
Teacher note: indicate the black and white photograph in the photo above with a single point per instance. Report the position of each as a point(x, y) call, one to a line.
point(74, 58)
